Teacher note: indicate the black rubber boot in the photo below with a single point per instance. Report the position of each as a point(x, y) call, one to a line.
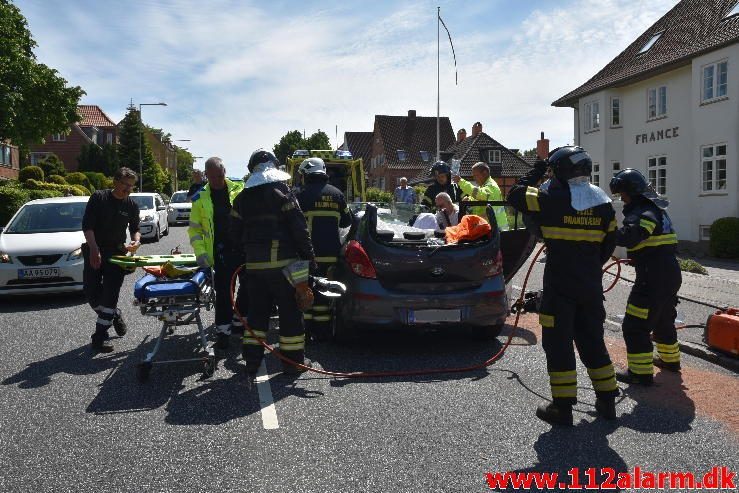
point(119, 324)
point(100, 344)
point(555, 413)
point(606, 407)
point(627, 376)
point(222, 341)
point(674, 367)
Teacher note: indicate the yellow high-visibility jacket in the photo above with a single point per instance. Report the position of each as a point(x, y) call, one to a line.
point(201, 229)
point(487, 192)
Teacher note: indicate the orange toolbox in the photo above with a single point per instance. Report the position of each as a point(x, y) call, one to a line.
point(722, 331)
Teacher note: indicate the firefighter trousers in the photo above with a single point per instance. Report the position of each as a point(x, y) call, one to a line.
point(102, 288)
point(226, 264)
point(564, 321)
point(266, 288)
point(652, 308)
point(318, 318)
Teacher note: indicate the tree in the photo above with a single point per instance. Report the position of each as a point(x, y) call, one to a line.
point(99, 159)
point(530, 153)
point(185, 161)
point(35, 100)
point(128, 147)
point(155, 178)
point(293, 140)
point(52, 165)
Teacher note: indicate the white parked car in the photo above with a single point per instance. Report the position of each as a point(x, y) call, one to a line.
point(40, 247)
point(179, 208)
point(153, 214)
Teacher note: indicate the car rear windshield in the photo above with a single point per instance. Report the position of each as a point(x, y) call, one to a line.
point(48, 218)
point(179, 198)
point(145, 203)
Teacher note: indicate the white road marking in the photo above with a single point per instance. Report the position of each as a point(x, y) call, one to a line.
point(517, 287)
point(266, 402)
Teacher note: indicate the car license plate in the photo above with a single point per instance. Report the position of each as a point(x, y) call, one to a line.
point(38, 273)
point(433, 316)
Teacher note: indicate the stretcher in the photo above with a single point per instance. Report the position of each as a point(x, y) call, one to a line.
point(175, 302)
point(153, 260)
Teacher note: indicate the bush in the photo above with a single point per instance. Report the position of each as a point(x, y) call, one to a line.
point(377, 195)
point(107, 183)
point(97, 180)
point(11, 199)
point(725, 238)
point(689, 265)
point(31, 173)
point(10, 184)
point(52, 165)
point(44, 194)
point(59, 180)
point(78, 178)
point(420, 190)
point(77, 190)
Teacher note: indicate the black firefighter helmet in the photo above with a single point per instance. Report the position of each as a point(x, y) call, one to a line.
point(442, 168)
point(261, 156)
point(570, 162)
point(632, 182)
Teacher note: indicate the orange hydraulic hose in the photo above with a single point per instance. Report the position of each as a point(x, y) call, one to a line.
point(375, 374)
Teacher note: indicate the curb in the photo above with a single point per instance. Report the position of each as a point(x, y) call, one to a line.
point(706, 354)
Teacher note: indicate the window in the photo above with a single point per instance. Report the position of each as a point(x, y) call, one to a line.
point(715, 81)
point(109, 138)
point(592, 116)
point(615, 112)
point(595, 177)
point(704, 232)
point(58, 137)
point(402, 155)
point(657, 173)
point(5, 156)
point(36, 157)
point(425, 156)
point(650, 43)
point(616, 167)
point(657, 102)
point(713, 168)
point(494, 156)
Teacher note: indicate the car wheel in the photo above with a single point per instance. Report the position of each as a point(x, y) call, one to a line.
point(158, 234)
point(166, 231)
point(488, 332)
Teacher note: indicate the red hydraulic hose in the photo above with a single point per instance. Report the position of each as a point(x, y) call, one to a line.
point(375, 374)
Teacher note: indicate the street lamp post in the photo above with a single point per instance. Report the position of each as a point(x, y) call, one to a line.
point(141, 139)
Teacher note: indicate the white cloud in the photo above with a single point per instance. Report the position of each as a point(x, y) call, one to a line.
point(237, 76)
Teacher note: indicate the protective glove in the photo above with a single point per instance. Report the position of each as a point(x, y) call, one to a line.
point(541, 165)
point(303, 296)
point(203, 261)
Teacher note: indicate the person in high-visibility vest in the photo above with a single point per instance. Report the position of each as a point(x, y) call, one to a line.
point(651, 241)
point(208, 232)
point(484, 189)
point(326, 211)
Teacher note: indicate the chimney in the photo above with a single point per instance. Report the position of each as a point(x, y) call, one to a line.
point(461, 135)
point(476, 129)
point(542, 147)
point(411, 114)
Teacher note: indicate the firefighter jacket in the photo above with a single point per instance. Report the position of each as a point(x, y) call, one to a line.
point(269, 227)
point(578, 242)
point(325, 211)
point(647, 231)
point(201, 228)
point(486, 192)
point(429, 196)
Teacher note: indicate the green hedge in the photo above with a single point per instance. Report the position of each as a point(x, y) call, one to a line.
point(11, 199)
point(377, 195)
point(98, 180)
point(690, 265)
point(725, 238)
point(59, 180)
point(78, 178)
point(64, 189)
point(44, 194)
point(31, 173)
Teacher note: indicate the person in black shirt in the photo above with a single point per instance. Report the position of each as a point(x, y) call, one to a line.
point(443, 183)
point(107, 216)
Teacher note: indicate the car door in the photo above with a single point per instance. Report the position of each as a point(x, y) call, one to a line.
point(161, 212)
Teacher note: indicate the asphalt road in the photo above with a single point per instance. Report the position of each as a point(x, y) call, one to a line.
point(72, 421)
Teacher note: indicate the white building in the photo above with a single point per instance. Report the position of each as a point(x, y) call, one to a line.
point(668, 106)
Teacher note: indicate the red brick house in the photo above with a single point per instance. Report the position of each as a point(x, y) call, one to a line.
point(9, 161)
point(94, 127)
point(404, 146)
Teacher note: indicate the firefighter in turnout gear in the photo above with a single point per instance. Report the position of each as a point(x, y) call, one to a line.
point(325, 211)
point(271, 230)
point(577, 222)
point(208, 232)
point(650, 240)
point(443, 183)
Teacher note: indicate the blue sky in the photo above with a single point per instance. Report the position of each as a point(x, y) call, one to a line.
point(237, 75)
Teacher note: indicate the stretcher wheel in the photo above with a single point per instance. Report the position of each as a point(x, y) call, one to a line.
point(143, 370)
point(209, 366)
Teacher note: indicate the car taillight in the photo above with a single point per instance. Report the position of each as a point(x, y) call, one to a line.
point(358, 260)
point(493, 267)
